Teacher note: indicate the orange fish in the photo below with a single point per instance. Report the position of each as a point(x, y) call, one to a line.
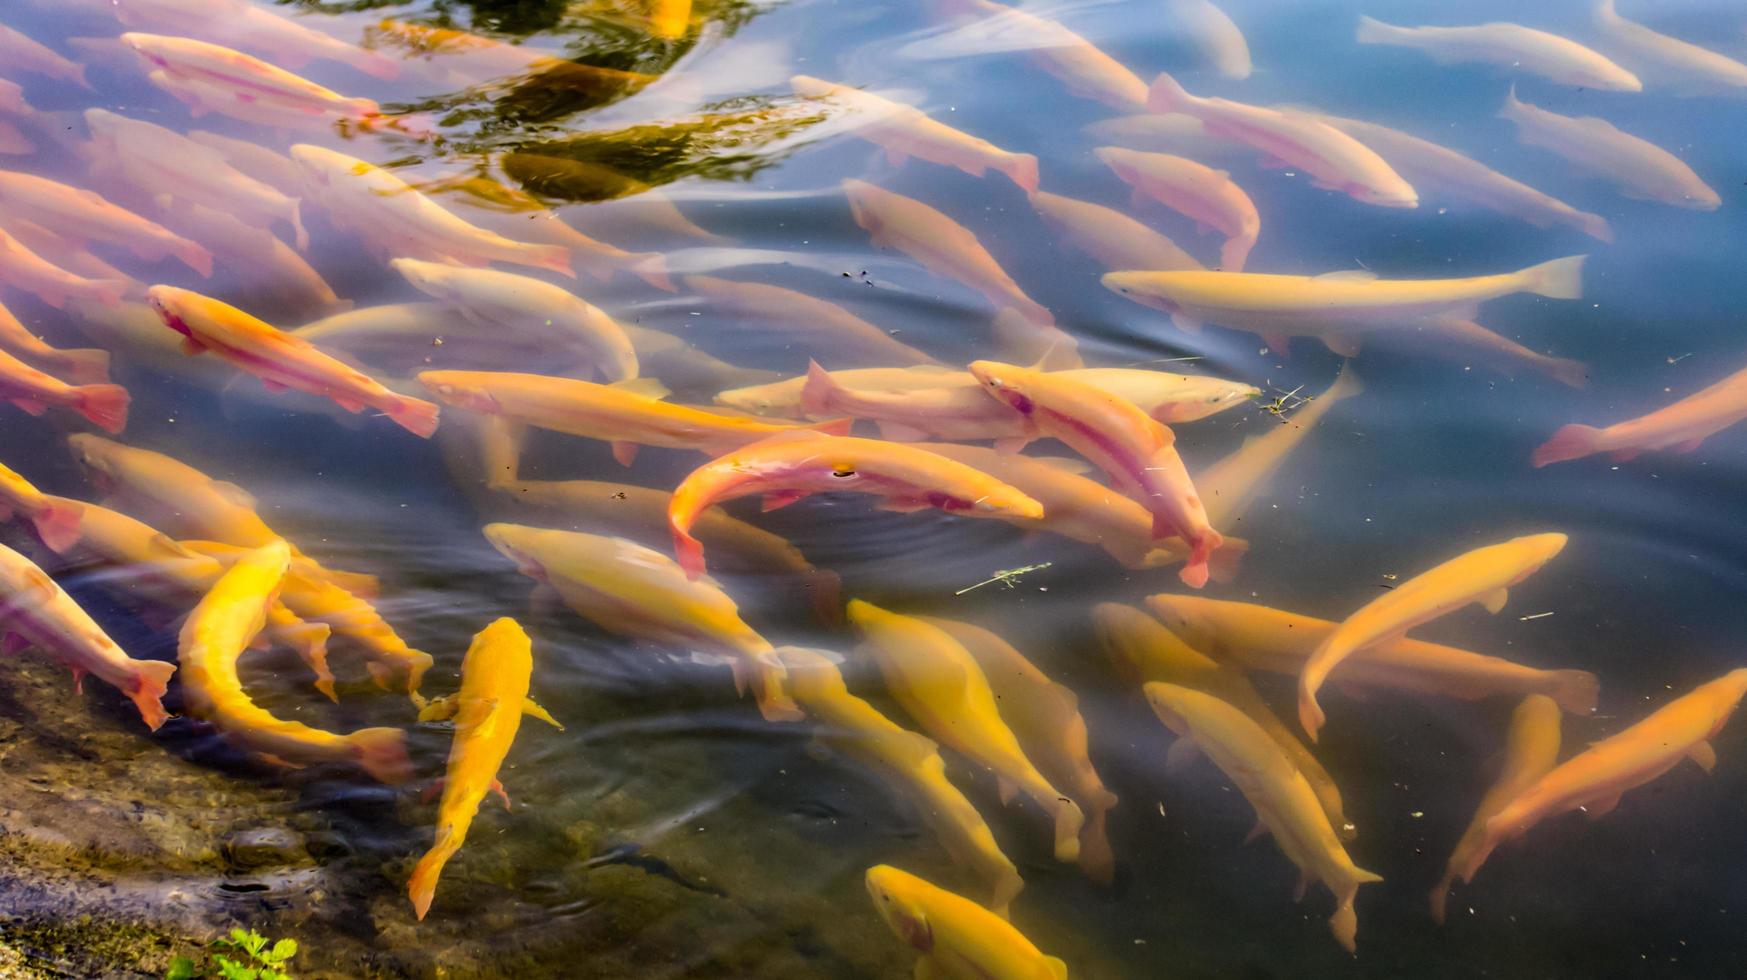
point(1679, 428)
point(32, 390)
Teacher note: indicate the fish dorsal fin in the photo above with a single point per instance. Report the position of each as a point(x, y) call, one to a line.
point(1348, 275)
point(651, 388)
point(164, 542)
point(1704, 754)
point(234, 494)
point(1064, 463)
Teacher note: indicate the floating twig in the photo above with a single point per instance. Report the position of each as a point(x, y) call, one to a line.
point(1008, 577)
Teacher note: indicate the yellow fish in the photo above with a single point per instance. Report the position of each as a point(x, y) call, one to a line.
point(1200, 193)
point(1084, 68)
point(628, 589)
point(1259, 638)
point(940, 684)
point(1595, 778)
point(1145, 651)
point(1045, 716)
point(1222, 44)
point(958, 939)
point(1483, 575)
point(487, 712)
point(1285, 804)
point(55, 523)
point(1530, 750)
point(217, 632)
point(1230, 486)
point(1114, 239)
point(22, 268)
point(911, 763)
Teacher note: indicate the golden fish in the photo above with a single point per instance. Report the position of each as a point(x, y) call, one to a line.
point(1204, 195)
point(958, 939)
point(1662, 59)
point(55, 523)
point(1230, 486)
point(104, 405)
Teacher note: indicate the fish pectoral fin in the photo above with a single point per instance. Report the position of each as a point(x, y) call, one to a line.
point(903, 505)
point(30, 405)
point(1687, 446)
point(1259, 831)
point(1057, 968)
point(778, 499)
point(191, 347)
point(275, 387)
point(1493, 602)
point(1704, 754)
point(928, 969)
point(1181, 755)
point(532, 709)
point(1597, 810)
point(1007, 789)
point(439, 709)
point(497, 787)
point(645, 387)
point(625, 452)
point(1188, 324)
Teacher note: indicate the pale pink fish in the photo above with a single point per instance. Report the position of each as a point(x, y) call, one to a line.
point(213, 72)
point(281, 360)
point(1082, 66)
point(400, 222)
point(26, 270)
point(273, 169)
point(20, 53)
point(35, 391)
point(1204, 195)
point(36, 612)
point(12, 99)
point(1114, 239)
point(13, 142)
point(249, 27)
point(203, 98)
point(1680, 427)
point(77, 366)
point(271, 269)
point(69, 255)
point(73, 213)
point(957, 411)
point(1334, 160)
point(163, 162)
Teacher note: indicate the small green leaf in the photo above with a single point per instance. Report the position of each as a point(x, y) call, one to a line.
point(283, 950)
point(181, 968)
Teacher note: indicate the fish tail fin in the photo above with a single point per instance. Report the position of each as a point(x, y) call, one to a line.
point(415, 415)
point(57, 524)
point(1166, 94)
point(310, 641)
point(195, 256)
point(298, 231)
point(1022, 169)
point(151, 681)
point(417, 663)
point(1570, 442)
point(1363, 877)
point(1224, 562)
point(1195, 570)
point(826, 588)
point(1494, 835)
point(1373, 31)
point(1069, 818)
point(1513, 106)
point(1097, 859)
point(1440, 896)
point(87, 366)
point(1605, 12)
point(1235, 252)
point(1572, 374)
point(651, 267)
point(1309, 711)
point(110, 293)
point(1558, 279)
point(382, 753)
point(834, 427)
point(769, 686)
point(105, 405)
point(422, 886)
point(1595, 226)
point(816, 393)
point(689, 551)
point(1576, 691)
point(553, 257)
point(1344, 923)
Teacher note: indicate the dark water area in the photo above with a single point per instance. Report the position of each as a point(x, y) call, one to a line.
point(668, 831)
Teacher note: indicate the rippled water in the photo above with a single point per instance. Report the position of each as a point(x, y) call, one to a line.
point(668, 831)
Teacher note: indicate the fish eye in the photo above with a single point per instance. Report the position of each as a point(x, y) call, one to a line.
point(842, 472)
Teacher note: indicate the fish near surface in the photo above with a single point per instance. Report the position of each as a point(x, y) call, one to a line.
point(1045, 717)
point(55, 523)
point(487, 712)
point(1137, 451)
point(282, 360)
point(904, 131)
point(218, 631)
point(1334, 160)
point(958, 939)
point(1085, 69)
point(1114, 239)
point(942, 246)
point(36, 612)
point(23, 269)
point(1220, 42)
point(957, 411)
point(1680, 428)
point(1531, 749)
point(504, 300)
point(266, 267)
point(1459, 336)
point(631, 590)
point(909, 762)
point(73, 212)
point(217, 74)
point(628, 414)
point(794, 465)
point(1231, 485)
point(1285, 804)
point(1262, 638)
point(1204, 195)
point(1637, 168)
point(1144, 651)
point(20, 52)
point(241, 24)
point(104, 405)
point(782, 399)
point(816, 324)
point(399, 222)
point(1683, 66)
point(1482, 575)
point(944, 689)
point(1514, 46)
point(1594, 779)
point(1277, 305)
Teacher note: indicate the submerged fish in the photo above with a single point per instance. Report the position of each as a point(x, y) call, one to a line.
point(1137, 451)
point(104, 405)
point(953, 411)
point(1222, 45)
point(1286, 806)
point(487, 712)
point(36, 612)
point(1114, 239)
point(1481, 575)
point(1204, 195)
point(904, 131)
point(214, 638)
point(1334, 160)
point(1596, 778)
point(958, 939)
point(1680, 427)
point(1231, 485)
point(260, 163)
point(281, 360)
point(1531, 749)
point(1279, 642)
point(823, 327)
point(76, 213)
point(911, 763)
point(56, 523)
point(1045, 717)
point(1514, 46)
point(1661, 58)
point(241, 24)
point(628, 589)
point(794, 465)
point(1086, 70)
point(23, 269)
point(19, 52)
point(400, 222)
point(271, 269)
point(939, 683)
point(215, 75)
point(1144, 651)
point(1638, 168)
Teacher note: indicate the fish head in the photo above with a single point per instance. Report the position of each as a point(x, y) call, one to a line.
point(894, 896)
point(1188, 619)
point(1005, 382)
point(1141, 288)
point(142, 45)
point(1008, 501)
point(167, 302)
point(1395, 193)
point(1170, 702)
point(97, 456)
point(514, 542)
point(455, 388)
point(426, 277)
